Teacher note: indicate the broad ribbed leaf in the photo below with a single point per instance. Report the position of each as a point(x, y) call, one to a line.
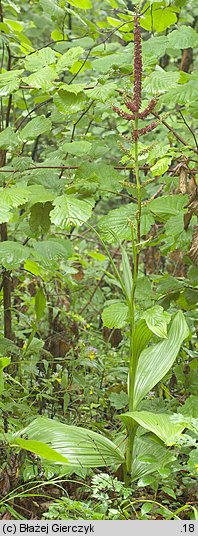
point(154, 362)
point(70, 211)
point(182, 94)
point(184, 37)
point(115, 316)
point(80, 446)
point(14, 196)
point(161, 166)
point(160, 18)
point(49, 251)
point(161, 80)
point(40, 59)
point(101, 93)
point(77, 147)
point(5, 213)
point(8, 139)
point(146, 448)
point(37, 126)
point(116, 223)
point(159, 424)
point(42, 78)
point(39, 194)
point(13, 254)
point(69, 58)
point(9, 82)
point(168, 205)
point(157, 320)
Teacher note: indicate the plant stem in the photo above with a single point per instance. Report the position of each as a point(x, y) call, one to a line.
point(133, 359)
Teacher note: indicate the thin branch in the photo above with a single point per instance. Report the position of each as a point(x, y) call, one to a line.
point(179, 138)
point(189, 128)
point(122, 168)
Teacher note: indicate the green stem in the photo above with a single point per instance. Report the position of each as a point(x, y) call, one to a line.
point(133, 359)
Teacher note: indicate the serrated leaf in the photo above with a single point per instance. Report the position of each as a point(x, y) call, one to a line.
point(5, 213)
point(158, 359)
point(161, 166)
point(78, 148)
point(155, 46)
point(157, 320)
point(39, 217)
point(9, 82)
point(51, 7)
point(14, 196)
point(159, 19)
point(161, 80)
point(37, 126)
point(115, 316)
point(49, 251)
point(42, 78)
point(116, 223)
point(70, 211)
point(12, 254)
point(119, 400)
point(80, 446)
point(9, 139)
point(69, 58)
point(101, 93)
point(73, 88)
point(37, 192)
point(183, 94)
point(68, 103)
point(146, 447)
point(168, 205)
point(40, 59)
point(159, 424)
point(184, 37)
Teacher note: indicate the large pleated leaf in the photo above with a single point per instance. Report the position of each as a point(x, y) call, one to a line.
point(116, 223)
point(80, 446)
point(148, 456)
point(154, 362)
point(70, 211)
point(159, 424)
